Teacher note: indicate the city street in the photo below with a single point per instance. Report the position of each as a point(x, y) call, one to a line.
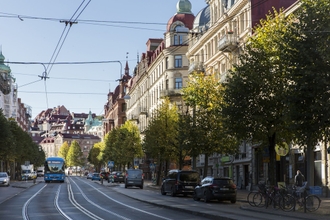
point(80, 198)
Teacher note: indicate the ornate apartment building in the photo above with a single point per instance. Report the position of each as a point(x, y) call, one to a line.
point(216, 40)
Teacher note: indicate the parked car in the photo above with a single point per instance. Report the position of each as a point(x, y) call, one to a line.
point(105, 175)
point(134, 177)
point(180, 182)
point(96, 176)
point(89, 175)
point(33, 175)
point(216, 188)
point(4, 179)
point(117, 177)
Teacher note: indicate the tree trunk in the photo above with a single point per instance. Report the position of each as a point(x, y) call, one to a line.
point(272, 162)
point(206, 164)
point(159, 173)
point(310, 165)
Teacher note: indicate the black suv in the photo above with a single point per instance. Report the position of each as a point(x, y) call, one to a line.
point(180, 182)
point(220, 188)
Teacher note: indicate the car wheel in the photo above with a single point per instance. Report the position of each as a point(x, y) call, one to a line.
point(233, 201)
point(162, 191)
point(195, 197)
point(173, 192)
point(206, 196)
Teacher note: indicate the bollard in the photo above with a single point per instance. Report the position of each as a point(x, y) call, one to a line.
point(34, 181)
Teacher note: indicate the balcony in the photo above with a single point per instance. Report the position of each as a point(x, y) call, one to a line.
point(196, 67)
point(143, 111)
point(228, 42)
point(170, 92)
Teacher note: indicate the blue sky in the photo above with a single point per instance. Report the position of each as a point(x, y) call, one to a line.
point(107, 30)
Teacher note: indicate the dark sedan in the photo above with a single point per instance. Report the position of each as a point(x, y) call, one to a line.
point(119, 177)
point(216, 188)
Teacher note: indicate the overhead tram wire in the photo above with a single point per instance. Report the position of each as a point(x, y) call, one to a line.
point(61, 42)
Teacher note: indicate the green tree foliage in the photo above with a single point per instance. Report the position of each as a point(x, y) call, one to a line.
point(95, 155)
point(160, 139)
point(5, 136)
point(161, 136)
point(204, 93)
point(122, 145)
point(75, 155)
point(63, 151)
point(131, 142)
point(309, 97)
point(255, 95)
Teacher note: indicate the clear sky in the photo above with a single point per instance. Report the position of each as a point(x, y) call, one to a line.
point(107, 30)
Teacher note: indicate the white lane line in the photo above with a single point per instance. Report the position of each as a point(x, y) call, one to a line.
point(128, 206)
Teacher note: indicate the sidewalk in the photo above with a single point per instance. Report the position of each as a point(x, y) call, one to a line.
point(322, 213)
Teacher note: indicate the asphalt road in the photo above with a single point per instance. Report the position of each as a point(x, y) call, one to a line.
point(80, 198)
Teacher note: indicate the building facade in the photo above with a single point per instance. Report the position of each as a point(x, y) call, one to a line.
point(161, 72)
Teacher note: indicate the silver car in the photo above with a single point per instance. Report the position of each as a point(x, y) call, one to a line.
point(4, 179)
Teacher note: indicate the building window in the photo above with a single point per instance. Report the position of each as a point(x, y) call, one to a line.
point(166, 84)
point(178, 61)
point(123, 107)
point(166, 63)
point(177, 39)
point(178, 83)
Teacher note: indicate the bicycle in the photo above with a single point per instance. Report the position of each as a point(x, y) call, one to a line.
point(300, 197)
point(265, 196)
point(270, 195)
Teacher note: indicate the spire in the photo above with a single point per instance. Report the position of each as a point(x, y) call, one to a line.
point(126, 66)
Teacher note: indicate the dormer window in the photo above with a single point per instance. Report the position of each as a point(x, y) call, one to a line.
point(178, 39)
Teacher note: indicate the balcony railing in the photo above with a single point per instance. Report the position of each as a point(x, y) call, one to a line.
point(196, 67)
point(228, 42)
point(170, 92)
point(143, 111)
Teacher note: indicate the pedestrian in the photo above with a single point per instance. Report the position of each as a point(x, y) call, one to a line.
point(299, 178)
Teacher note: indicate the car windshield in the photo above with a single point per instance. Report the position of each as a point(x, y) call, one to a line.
point(3, 175)
point(96, 174)
point(134, 172)
point(189, 177)
point(222, 182)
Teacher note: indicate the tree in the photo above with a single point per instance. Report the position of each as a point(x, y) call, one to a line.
point(204, 93)
point(131, 142)
point(5, 136)
point(95, 155)
point(309, 97)
point(63, 151)
point(161, 136)
point(255, 95)
point(75, 155)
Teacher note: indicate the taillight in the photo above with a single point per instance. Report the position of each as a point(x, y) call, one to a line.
point(212, 186)
point(233, 186)
point(142, 175)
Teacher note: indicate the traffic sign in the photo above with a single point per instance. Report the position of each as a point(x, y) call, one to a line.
point(111, 164)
